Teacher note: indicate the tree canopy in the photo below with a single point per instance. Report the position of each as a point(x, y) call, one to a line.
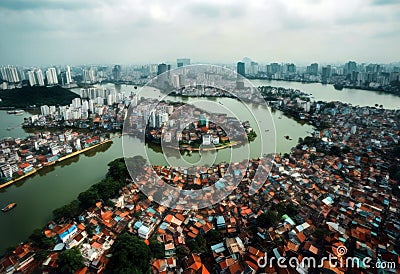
point(70, 260)
point(129, 255)
point(28, 96)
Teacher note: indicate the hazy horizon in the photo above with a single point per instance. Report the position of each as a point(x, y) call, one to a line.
point(73, 32)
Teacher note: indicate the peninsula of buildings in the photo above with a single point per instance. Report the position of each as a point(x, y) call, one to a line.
point(20, 158)
point(186, 127)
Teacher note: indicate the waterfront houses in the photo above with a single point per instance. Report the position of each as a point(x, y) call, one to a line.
point(20, 157)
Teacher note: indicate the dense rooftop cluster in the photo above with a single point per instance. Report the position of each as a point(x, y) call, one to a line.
point(23, 156)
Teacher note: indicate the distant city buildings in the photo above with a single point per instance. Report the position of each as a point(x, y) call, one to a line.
point(10, 74)
point(116, 72)
point(312, 69)
point(240, 68)
point(384, 77)
point(88, 76)
point(51, 76)
point(181, 62)
point(162, 68)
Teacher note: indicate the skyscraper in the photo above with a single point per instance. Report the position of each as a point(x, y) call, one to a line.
point(9, 74)
point(88, 76)
point(181, 62)
point(39, 77)
point(326, 73)
point(240, 69)
point(68, 75)
point(349, 67)
point(161, 68)
point(51, 76)
point(116, 73)
point(32, 78)
point(312, 69)
point(290, 68)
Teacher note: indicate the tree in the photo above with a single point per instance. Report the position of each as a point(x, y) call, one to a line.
point(198, 244)
point(320, 233)
point(267, 219)
point(291, 209)
point(135, 165)
point(88, 198)
point(66, 212)
point(40, 241)
point(182, 251)
point(70, 260)
point(157, 249)
point(129, 255)
point(117, 169)
point(213, 237)
point(251, 136)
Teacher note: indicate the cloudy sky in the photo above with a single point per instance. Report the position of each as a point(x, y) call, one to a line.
point(42, 32)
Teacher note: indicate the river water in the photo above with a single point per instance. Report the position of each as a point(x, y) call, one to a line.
point(37, 196)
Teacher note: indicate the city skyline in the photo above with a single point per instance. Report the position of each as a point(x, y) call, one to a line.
point(72, 32)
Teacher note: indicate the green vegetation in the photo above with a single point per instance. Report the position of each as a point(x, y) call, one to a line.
point(274, 215)
point(67, 211)
point(251, 136)
point(267, 219)
point(157, 249)
point(198, 244)
point(320, 233)
point(104, 190)
point(70, 260)
point(129, 255)
point(182, 251)
point(29, 96)
point(213, 237)
point(40, 241)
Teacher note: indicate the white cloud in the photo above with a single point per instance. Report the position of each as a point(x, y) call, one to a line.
point(129, 31)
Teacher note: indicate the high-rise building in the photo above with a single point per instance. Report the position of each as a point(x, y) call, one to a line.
point(116, 72)
point(312, 69)
point(88, 76)
point(349, 67)
point(325, 73)
point(32, 78)
point(240, 69)
point(181, 62)
point(68, 75)
point(291, 68)
point(45, 110)
point(274, 68)
point(51, 76)
point(76, 103)
point(9, 74)
point(254, 68)
point(161, 68)
point(39, 77)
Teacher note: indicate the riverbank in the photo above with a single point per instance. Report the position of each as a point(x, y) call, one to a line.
point(380, 89)
point(35, 170)
point(214, 148)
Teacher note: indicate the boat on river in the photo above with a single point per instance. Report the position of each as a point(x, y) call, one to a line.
point(16, 112)
point(8, 207)
point(338, 86)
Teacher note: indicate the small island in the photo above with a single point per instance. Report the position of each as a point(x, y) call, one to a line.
point(186, 127)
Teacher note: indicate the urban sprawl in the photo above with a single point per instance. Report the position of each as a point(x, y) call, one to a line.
point(337, 188)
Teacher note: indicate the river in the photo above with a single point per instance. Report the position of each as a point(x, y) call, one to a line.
point(39, 195)
point(322, 92)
